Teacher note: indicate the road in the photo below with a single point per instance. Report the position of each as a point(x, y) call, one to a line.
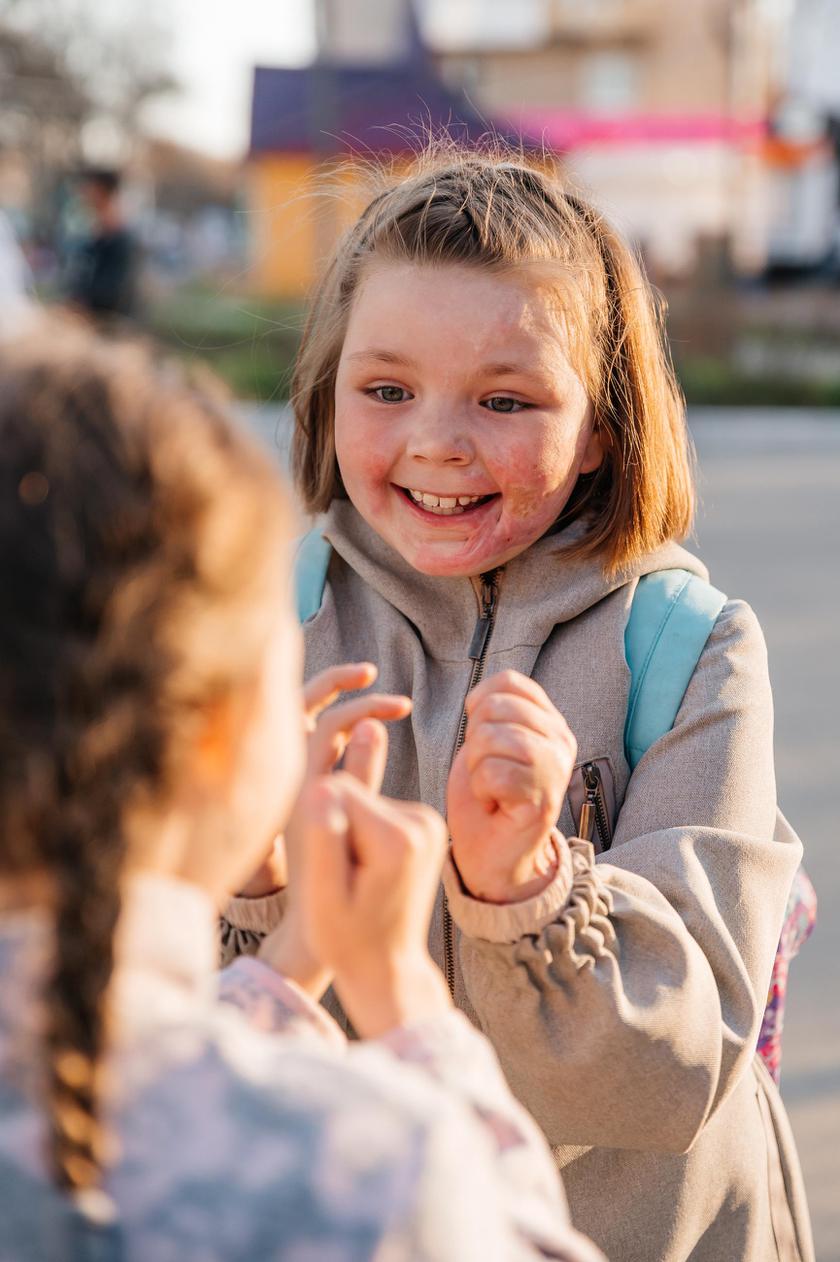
point(769, 530)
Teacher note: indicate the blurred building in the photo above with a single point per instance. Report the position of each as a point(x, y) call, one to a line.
point(674, 117)
point(373, 90)
point(804, 158)
point(659, 109)
point(188, 208)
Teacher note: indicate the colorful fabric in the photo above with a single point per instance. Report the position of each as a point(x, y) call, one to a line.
point(800, 917)
point(249, 1131)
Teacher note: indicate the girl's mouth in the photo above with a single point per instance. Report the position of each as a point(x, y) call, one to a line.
point(432, 505)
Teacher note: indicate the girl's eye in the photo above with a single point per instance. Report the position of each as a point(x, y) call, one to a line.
point(502, 403)
point(389, 394)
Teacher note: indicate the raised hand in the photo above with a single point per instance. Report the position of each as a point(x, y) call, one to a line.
point(343, 731)
point(506, 788)
point(368, 874)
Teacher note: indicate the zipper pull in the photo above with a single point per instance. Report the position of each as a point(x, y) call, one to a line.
point(594, 812)
point(591, 780)
point(484, 625)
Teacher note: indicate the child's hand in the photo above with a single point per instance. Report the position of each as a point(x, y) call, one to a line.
point(289, 948)
point(368, 874)
point(506, 789)
point(329, 737)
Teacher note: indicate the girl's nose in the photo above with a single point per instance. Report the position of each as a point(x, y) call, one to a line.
point(438, 438)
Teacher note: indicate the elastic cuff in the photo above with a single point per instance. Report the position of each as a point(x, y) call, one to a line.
point(256, 915)
point(508, 922)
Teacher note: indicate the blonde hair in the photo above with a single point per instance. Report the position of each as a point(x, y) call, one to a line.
point(503, 212)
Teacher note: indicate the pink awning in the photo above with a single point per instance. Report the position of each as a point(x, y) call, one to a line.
point(573, 129)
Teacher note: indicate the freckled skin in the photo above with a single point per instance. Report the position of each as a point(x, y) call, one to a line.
point(451, 422)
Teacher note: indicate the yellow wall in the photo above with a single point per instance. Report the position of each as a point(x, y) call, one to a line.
point(281, 224)
point(295, 214)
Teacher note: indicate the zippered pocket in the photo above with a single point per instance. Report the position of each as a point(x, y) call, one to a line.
point(591, 797)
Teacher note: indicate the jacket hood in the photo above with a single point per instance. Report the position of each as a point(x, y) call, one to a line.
point(539, 588)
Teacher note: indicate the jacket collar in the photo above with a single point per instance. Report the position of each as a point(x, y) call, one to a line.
point(539, 588)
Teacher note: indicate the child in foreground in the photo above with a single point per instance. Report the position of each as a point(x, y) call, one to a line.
point(486, 415)
point(150, 720)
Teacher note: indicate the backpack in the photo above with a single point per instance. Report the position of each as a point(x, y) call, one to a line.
point(671, 618)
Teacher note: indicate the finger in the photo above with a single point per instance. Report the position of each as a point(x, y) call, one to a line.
point(375, 829)
point(509, 681)
point(329, 740)
point(513, 742)
point(323, 689)
point(326, 868)
point(380, 823)
point(367, 754)
point(504, 707)
point(509, 784)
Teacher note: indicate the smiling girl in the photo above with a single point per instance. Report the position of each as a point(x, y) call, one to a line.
point(487, 417)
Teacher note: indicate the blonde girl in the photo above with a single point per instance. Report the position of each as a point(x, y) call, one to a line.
point(486, 417)
point(151, 739)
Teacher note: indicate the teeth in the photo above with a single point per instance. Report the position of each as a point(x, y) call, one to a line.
point(443, 505)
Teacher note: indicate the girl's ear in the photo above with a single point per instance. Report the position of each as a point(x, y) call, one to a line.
point(593, 454)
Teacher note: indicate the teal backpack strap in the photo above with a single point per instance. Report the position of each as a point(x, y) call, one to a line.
point(312, 561)
point(671, 619)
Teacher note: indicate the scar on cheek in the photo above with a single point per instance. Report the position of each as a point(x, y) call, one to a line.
point(524, 501)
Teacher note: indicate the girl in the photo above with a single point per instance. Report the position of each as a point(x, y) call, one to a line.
point(486, 414)
point(149, 721)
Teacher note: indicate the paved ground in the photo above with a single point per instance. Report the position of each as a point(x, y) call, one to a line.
point(769, 530)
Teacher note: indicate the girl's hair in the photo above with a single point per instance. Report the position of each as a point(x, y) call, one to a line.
point(138, 534)
point(505, 213)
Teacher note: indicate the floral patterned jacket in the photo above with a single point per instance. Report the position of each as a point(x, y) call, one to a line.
point(249, 1129)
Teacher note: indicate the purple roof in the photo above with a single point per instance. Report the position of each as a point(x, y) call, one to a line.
point(333, 109)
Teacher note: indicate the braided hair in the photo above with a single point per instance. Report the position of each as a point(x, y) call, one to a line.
point(137, 526)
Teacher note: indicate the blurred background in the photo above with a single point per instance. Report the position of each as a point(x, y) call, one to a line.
point(159, 168)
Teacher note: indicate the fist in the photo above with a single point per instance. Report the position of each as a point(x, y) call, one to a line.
point(369, 873)
point(506, 789)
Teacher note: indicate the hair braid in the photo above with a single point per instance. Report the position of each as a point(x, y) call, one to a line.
point(138, 532)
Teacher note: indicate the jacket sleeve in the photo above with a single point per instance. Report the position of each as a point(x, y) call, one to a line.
point(510, 1203)
point(625, 1013)
point(273, 1004)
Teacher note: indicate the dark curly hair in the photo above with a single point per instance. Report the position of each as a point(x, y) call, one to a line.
point(139, 531)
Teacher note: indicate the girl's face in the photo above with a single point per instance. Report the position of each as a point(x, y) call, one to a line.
point(460, 425)
point(237, 788)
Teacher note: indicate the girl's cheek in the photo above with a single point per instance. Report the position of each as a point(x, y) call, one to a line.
point(538, 482)
point(525, 502)
point(527, 477)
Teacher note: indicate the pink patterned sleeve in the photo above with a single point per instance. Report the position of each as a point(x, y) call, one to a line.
point(275, 1005)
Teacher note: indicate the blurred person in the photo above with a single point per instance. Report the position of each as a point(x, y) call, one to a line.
point(151, 738)
point(103, 273)
point(486, 413)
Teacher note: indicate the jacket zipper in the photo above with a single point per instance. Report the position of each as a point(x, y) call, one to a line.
point(478, 652)
point(593, 813)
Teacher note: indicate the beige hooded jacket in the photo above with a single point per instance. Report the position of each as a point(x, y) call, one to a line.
point(624, 1001)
